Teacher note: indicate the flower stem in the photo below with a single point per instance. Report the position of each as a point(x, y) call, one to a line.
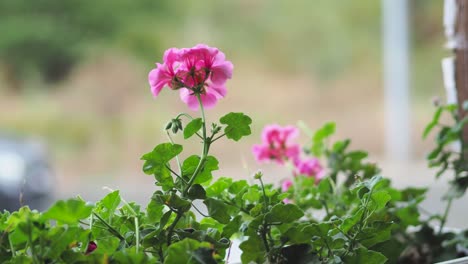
point(444, 217)
point(206, 146)
point(177, 156)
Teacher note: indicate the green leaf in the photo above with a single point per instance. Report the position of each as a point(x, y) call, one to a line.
point(379, 200)
point(154, 211)
point(325, 131)
point(322, 133)
point(351, 220)
point(341, 146)
point(205, 174)
point(238, 186)
point(69, 211)
point(196, 192)
point(185, 251)
point(238, 125)
point(107, 206)
point(218, 210)
point(129, 255)
point(161, 154)
point(61, 237)
point(218, 186)
point(457, 188)
point(156, 161)
point(173, 201)
point(193, 127)
point(232, 227)
point(408, 216)
point(296, 235)
point(256, 210)
point(252, 195)
point(252, 250)
point(362, 255)
point(379, 232)
point(433, 123)
point(284, 213)
point(107, 245)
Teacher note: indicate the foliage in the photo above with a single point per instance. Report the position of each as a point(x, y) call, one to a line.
point(51, 36)
point(349, 214)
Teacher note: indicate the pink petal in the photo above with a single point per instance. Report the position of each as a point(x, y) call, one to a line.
point(221, 72)
point(208, 100)
point(158, 78)
point(190, 100)
point(218, 91)
point(171, 56)
point(285, 185)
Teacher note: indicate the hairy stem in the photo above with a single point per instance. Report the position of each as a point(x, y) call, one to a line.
point(206, 146)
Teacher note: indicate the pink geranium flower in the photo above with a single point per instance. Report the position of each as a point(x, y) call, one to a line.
point(201, 70)
point(276, 144)
point(285, 185)
point(309, 167)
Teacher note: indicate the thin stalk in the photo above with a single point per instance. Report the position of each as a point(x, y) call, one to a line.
point(171, 228)
point(206, 144)
point(13, 251)
point(186, 115)
point(177, 156)
point(137, 234)
point(175, 173)
point(264, 195)
point(265, 230)
point(110, 228)
point(444, 217)
point(198, 210)
point(30, 242)
point(204, 152)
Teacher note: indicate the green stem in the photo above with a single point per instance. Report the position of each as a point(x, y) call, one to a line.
point(110, 228)
point(171, 228)
point(30, 242)
point(184, 114)
point(177, 156)
point(264, 195)
point(13, 251)
point(361, 223)
point(265, 228)
point(137, 234)
point(444, 217)
point(206, 146)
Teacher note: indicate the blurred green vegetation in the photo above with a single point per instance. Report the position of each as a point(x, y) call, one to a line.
point(51, 36)
point(325, 38)
point(45, 41)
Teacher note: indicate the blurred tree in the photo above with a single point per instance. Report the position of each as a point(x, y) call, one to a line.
point(51, 36)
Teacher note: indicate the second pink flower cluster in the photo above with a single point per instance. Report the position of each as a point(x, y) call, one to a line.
point(278, 146)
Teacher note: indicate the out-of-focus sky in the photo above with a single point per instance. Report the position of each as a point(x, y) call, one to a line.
point(74, 73)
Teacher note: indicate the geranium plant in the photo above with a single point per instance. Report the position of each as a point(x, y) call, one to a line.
point(333, 208)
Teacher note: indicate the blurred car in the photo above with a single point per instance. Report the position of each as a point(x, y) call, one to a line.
point(26, 177)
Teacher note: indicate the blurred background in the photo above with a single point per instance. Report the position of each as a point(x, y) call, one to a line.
point(73, 80)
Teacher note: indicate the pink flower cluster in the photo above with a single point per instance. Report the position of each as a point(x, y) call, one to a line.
point(278, 146)
point(198, 71)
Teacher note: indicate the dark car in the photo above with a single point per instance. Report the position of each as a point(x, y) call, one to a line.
point(25, 174)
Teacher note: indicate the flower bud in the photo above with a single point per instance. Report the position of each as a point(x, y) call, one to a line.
point(175, 128)
point(258, 175)
point(169, 125)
